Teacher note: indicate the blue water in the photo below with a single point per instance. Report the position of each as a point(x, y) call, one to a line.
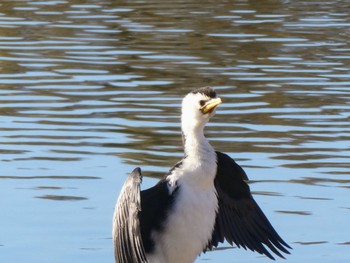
point(89, 90)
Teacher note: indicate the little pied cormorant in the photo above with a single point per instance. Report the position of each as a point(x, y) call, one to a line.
point(201, 202)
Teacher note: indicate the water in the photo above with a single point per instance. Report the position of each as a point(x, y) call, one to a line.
point(91, 89)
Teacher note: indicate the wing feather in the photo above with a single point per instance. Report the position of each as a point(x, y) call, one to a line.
point(128, 246)
point(239, 219)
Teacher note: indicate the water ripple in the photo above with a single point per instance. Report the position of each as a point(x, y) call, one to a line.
point(91, 89)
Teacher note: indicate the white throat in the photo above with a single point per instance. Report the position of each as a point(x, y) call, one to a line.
point(200, 156)
point(195, 143)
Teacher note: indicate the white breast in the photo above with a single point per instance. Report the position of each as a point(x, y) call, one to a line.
point(191, 221)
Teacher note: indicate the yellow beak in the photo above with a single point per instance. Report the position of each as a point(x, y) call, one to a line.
point(210, 105)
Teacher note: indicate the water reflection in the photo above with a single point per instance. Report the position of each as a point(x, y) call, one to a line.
point(62, 197)
point(90, 89)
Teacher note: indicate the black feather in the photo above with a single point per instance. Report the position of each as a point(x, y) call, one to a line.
point(155, 205)
point(137, 215)
point(239, 219)
point(207, 91)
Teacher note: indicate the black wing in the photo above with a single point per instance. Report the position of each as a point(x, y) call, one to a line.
point(155, 205)
point(128, 245)
point(239, 219)
point(137, 215)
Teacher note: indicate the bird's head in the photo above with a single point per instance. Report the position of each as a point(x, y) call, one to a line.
point(197, 108)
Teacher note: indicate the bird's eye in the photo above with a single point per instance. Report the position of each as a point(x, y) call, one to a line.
point(202, 102)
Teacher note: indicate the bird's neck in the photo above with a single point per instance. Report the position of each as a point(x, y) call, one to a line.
point(195, 143)
point(200, 160)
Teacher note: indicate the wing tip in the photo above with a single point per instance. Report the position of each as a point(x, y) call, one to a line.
point(135, 176)
point(276, 248)
point(136, 171)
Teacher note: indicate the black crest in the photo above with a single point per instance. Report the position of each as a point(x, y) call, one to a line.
point(208, 91)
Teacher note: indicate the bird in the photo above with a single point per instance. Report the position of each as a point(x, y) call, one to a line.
point(201, 202)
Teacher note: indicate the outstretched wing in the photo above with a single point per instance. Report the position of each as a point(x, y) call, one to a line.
point(128, 246)
point(239, 219)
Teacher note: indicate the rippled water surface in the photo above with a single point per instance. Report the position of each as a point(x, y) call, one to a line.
point(91, 89)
